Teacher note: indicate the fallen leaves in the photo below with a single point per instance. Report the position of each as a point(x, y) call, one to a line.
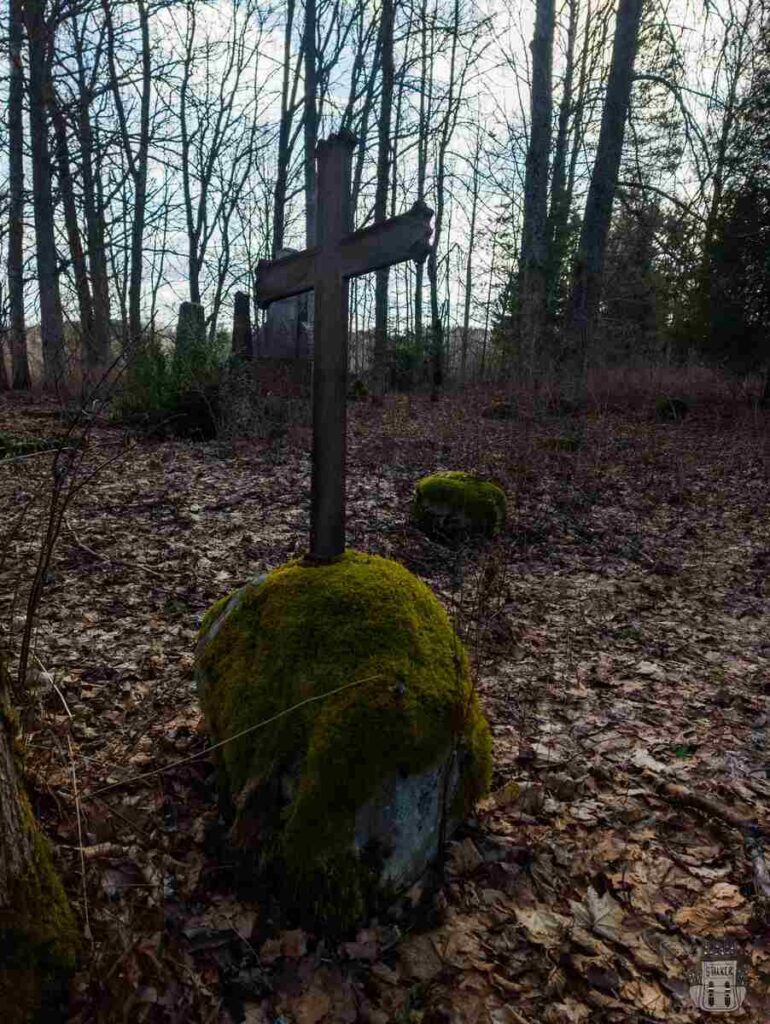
point(619, 628)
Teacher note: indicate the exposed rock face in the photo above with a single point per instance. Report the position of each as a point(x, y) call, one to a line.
point(342, 798)
point(452, 506)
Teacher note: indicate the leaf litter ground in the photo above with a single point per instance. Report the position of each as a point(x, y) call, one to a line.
point(619, 633)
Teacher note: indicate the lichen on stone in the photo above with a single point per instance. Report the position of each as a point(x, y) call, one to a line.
point(298, 785)
point(453, 505)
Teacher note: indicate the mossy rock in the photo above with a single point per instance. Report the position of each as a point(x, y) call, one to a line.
point(500, 411)
point(453, 505)
point(671, 410)
point(340, 800)
point(38, 932)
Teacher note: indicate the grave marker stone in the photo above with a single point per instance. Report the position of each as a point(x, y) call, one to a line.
point(242, 345)
point(190, 327)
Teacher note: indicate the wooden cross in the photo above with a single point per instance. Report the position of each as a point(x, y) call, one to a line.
point(340, 253)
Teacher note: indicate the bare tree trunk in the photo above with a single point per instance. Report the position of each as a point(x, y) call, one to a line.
point(381, 195)
point(475, 189)
point(79, 267)
point(534, 244)
point(136, 160)
point(51, 320)
point(38, 938)
point(447, 128)
point(426, 88)
point(311, 119)
point(558, 215)
point(284, 135)
point(99, 352)
point(140, 179)
point(589, 265)
point(18, 335)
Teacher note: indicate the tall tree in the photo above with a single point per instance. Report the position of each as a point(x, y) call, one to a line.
point(97, 355)
point(589, 264)
point(475, 190)
point(51, 317)
point(310, 50)
point(561, 198)
point(135, 143)
point(288, 100)
point(381, 194)
point(534, 244)
point(18, 335)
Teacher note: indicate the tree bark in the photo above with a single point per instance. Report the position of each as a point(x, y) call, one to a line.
point(561, 199)
point(20, 377)
point(381, 195)
point(51, 319)
point(447, 129)
point(426, 89)
point(38, 938)
point(136, 160)
point(475, 189)
point(534, 244)
point(99, 352)
point(311, 120)
point(79, 267)
point(589, 264)
point(284, 135)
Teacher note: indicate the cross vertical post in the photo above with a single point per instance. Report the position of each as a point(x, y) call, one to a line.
point(334, 222)
point(325, 268)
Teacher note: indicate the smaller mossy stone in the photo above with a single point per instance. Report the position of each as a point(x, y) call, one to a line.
point(671, 410)
point(454, 505)
point(339, 799)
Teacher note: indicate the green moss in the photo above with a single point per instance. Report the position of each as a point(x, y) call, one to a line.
point(297, 634)
point(38, 935)
point(455, 504)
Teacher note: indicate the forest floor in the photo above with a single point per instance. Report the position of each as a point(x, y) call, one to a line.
point(620, 633)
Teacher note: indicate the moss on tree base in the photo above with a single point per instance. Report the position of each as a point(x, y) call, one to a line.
point(301, 786)
point(38, 933)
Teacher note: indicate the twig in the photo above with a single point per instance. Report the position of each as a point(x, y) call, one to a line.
point(48, 675)
point(222, 743)
point(108, 558)
point(87, 927)
point(676, 793)
point(33, 455)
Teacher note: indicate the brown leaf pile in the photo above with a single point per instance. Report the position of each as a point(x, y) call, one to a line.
point(619, 632)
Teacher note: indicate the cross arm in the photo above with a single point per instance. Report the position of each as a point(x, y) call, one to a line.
point(280, 279)
point(406, 237)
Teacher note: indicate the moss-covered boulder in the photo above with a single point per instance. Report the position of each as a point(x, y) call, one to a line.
point(341, 799)
point(454, 505)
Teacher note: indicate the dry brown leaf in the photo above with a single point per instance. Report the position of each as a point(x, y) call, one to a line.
point(418, 958)
point(542, 926)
